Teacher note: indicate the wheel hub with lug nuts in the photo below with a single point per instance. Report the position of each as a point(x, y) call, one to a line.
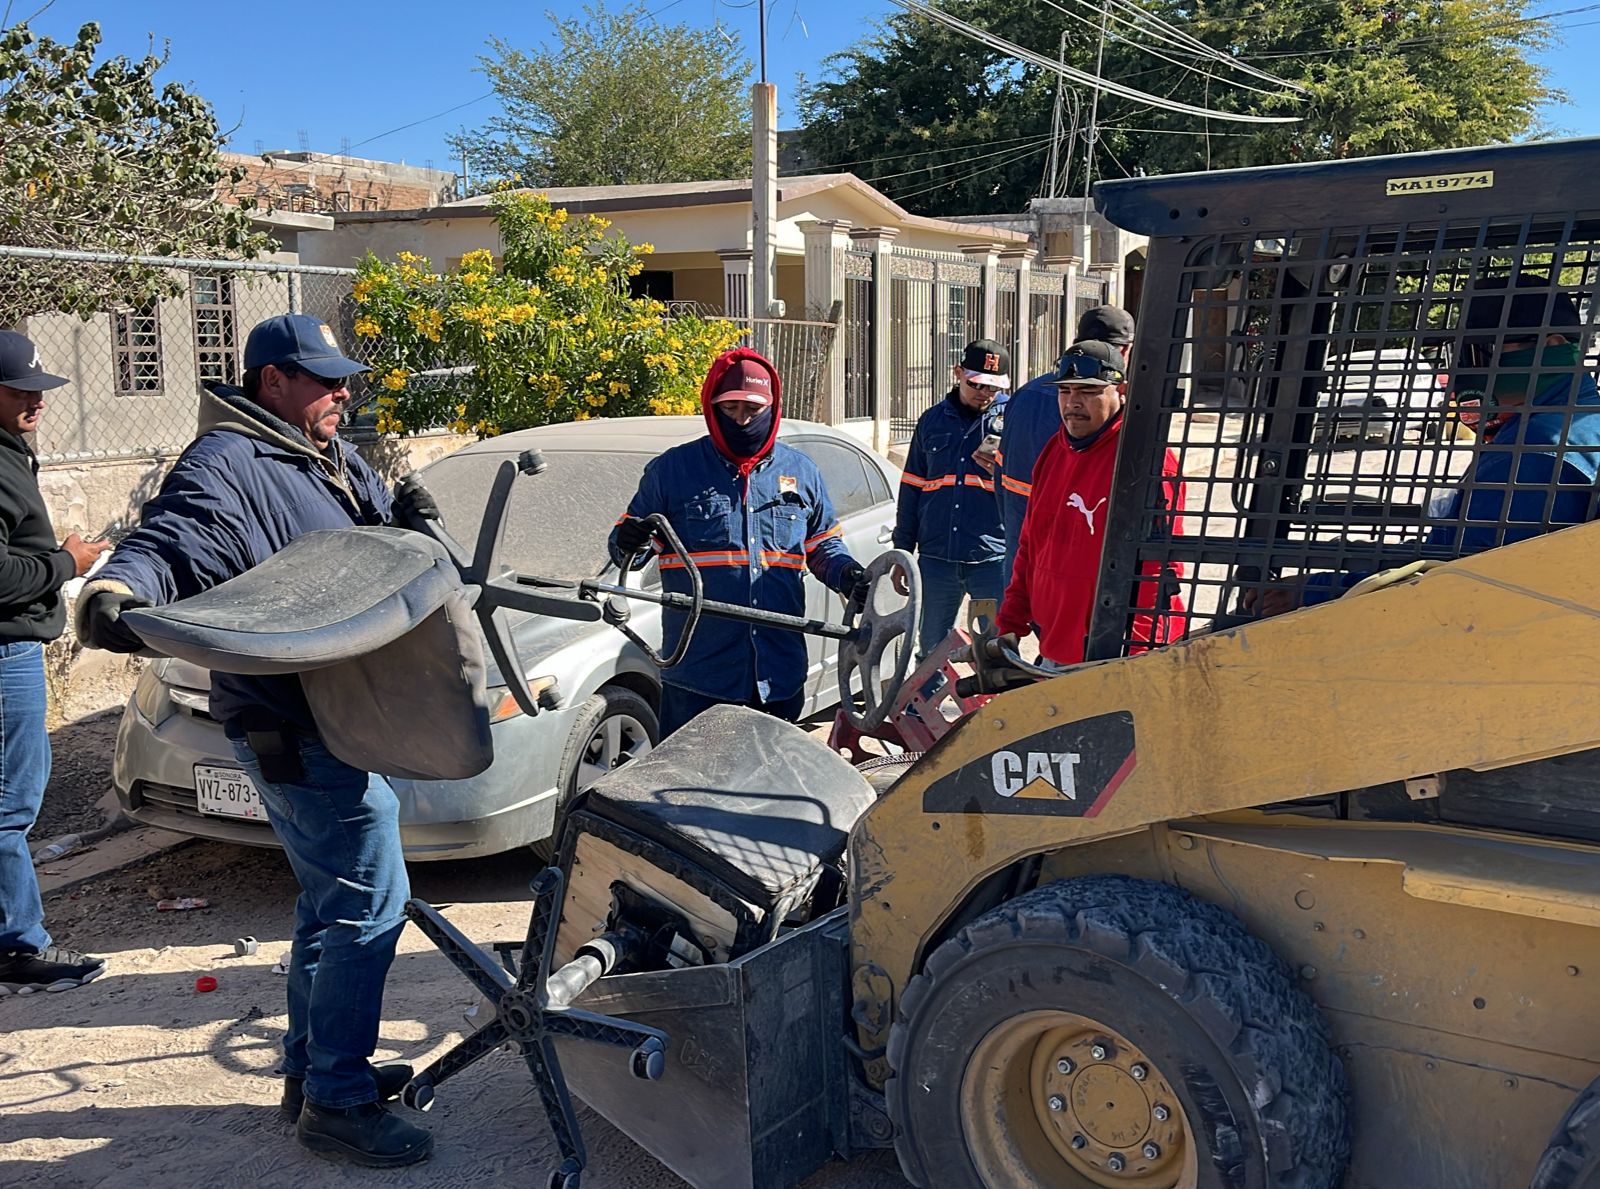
point(1106, 1108)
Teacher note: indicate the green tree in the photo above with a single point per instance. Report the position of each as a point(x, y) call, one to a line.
point(97, 157)
point(1376, 76)
point(617, 100)
point(549, 334)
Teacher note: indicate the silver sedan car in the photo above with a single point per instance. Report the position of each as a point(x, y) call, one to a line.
point(174, 769)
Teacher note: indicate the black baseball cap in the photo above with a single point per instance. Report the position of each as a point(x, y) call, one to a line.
point(1531, 314)
point(20, 367)
point(1091, 362)
point(302, 340)
point(987, 362)
point(1106, 324)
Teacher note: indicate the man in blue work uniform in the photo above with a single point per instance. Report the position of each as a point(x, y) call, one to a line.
point(267, 467)
point(947, 511)
point(1033, 417)
point(754, 516)
point(1538, 427)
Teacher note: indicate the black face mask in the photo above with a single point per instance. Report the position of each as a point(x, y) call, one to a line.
point(745, 441)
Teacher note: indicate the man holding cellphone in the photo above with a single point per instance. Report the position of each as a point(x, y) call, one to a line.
point(947, 511)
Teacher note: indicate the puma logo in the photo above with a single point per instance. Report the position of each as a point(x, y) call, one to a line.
point(1076, 501)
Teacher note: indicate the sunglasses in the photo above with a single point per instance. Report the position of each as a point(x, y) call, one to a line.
point(1087, 367)
point(292, 370)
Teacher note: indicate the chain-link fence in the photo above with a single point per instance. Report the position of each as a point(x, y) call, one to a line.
point(135, 373)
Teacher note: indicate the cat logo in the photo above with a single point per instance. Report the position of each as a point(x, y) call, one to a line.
point(1035, 774)
point(787, 484)
point(327, 335)
point(1070, 770)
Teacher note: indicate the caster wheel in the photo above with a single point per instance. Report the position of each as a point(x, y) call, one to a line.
point(649, 1060)
point(418, 1095)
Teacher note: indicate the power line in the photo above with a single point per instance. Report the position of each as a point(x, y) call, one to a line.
point(1174, 35)
point(313, 157)
point(1036, 140)
point(1010, 49)
point(1432, 39)
point(921, 152)
point(1020, 157)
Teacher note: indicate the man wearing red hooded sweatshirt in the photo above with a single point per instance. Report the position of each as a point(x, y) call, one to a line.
point(754, 514)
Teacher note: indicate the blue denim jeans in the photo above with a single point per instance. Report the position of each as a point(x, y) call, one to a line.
point(340, 828)
point(943, 585)
point(679, 705)
point(24, 771)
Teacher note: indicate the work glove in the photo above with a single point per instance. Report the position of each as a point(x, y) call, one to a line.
point(1005, 642)
point(102, 621)
point(855, 585)
point(413, 503)
point(633, 534)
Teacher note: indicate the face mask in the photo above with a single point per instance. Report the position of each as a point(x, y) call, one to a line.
point(744, 441)
point(1517, 384)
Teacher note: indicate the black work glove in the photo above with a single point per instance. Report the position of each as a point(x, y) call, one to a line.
point(413, 503)
point(1009, 641)
point(633, 534)
point(855, 585)
point(102, 621)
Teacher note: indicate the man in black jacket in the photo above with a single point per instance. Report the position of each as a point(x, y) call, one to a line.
point(33, 569)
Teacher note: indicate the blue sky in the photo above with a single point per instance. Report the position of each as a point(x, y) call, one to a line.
point(355, 69)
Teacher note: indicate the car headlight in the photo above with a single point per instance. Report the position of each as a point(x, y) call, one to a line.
point(503, 703)
point(150, 697)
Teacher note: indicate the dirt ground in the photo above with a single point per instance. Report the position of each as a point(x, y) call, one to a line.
point(139, 1078)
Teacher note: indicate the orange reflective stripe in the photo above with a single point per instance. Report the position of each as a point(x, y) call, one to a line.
point(1016, 486)
point(784, 561)
point(913, 480)
point(999, 458)
point(975, 481)
point(835, 531)
point(702, 560)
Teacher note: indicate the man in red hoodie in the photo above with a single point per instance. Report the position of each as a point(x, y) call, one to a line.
point(754, 515)
point(1057, 566)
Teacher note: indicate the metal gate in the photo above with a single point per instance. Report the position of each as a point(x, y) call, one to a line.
point(936, 305)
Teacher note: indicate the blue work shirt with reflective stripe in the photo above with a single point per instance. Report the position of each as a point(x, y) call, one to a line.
point(1556, 456)
point(1033, 417)
point(752, 548)
point(947, 508)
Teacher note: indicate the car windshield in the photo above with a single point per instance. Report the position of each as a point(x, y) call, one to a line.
point(559, 520)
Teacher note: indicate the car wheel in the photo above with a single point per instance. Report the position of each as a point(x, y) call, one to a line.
point(613, 726)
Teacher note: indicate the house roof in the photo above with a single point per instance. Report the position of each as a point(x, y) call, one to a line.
point(586, 200)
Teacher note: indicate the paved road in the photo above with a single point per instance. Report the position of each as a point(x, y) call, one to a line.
point(137, 1079)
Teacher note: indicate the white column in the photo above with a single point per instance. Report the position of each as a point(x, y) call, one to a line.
point(827, 240)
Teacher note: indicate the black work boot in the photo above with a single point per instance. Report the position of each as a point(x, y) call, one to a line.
point(390, 1080)
point(367, 1135)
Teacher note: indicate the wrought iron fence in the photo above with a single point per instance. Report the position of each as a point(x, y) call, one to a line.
point(135, 373)
point(936, 309)
point(859, 332)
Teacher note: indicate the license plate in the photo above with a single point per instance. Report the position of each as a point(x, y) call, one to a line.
point(227, 792)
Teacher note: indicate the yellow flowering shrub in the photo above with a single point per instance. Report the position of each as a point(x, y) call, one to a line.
point(550, 334)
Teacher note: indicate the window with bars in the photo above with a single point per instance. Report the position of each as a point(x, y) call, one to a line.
point(216, 334)
point(136, 351)
point(1334, 378)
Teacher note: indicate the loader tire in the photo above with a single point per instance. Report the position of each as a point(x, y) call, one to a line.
point(1109, 1030)
point(1572, 1158)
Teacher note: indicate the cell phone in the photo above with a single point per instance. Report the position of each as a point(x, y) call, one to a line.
point(990, 444)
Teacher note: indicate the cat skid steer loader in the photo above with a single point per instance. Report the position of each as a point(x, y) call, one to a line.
point(1296, 902)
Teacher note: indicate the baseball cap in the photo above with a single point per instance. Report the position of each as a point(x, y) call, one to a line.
point(1106, 324)
point(299, 339)
point(1528, 313)
point(987, 362)
point(1091, 362)
point(20, 367)
point(746, 379)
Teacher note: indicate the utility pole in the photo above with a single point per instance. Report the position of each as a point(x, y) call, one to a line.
point(763, 195)
point(466, 178)
point(1052, 169)
point(1088, 153)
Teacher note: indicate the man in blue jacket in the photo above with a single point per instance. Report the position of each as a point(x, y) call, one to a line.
point(754, 516)
point(267, 467)
point(1033, 417)
point(1538, 425)
point(947, 511)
